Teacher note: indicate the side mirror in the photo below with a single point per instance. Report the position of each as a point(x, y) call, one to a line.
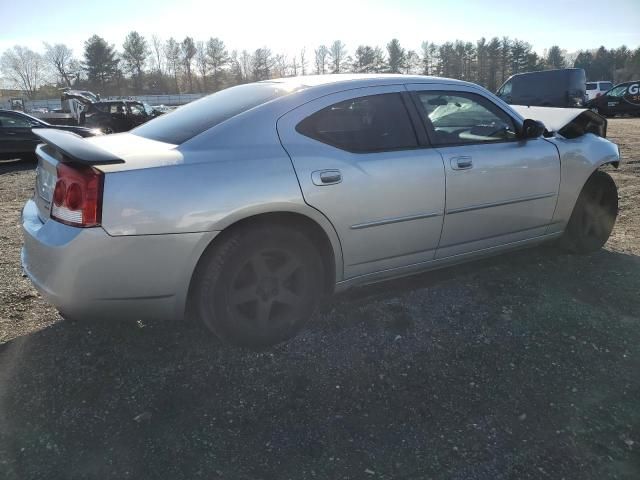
point(531, 129)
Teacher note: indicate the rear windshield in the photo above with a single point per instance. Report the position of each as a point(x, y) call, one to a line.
point(189, 120)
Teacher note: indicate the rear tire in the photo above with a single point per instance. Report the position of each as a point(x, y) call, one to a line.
point(594, 215)
point(258, 286)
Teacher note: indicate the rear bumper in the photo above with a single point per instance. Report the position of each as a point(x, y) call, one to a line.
point(86, 273)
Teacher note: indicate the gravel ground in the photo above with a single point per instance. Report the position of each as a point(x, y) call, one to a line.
point(520, 367)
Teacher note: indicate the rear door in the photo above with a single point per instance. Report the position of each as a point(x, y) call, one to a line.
point(499, 189)
point(359, 161)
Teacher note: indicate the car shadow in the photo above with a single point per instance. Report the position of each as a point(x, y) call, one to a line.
point(16, 165)
point(506, 367)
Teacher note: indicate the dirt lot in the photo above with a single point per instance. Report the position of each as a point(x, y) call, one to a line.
point(525, 366)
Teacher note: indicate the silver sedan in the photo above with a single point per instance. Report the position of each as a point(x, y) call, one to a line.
point(248, 207)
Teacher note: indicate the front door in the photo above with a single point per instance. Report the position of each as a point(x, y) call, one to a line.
point(499, 189)
point(15, 134)
point(359, 162)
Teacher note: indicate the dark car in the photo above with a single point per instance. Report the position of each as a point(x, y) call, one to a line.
point(548, 88)
point(117, 115)
point(18, 141)
point(623, 99)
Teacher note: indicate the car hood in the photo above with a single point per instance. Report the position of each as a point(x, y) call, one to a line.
point(569, 122)
point(553, 118)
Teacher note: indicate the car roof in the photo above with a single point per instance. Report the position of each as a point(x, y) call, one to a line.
point(107, 102)
point(355, 80)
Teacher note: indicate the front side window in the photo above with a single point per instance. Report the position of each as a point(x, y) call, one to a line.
point(460, 118)
point(373, 123)
point(15, 121)
point(505, 89)
point(604, 86)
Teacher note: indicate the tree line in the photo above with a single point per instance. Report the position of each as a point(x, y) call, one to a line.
point(158, 66)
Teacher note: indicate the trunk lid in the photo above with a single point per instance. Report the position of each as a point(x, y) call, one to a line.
point(108, 153)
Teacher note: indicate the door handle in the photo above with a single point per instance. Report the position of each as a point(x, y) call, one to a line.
point(461, 163)
point(326, 177)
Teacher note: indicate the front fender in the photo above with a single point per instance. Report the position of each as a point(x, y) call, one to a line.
point(579, 158)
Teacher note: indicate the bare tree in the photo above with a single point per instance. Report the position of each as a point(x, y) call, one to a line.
point(303, 62)
point(24, 68)
point(337, 54)
point(236, 68)
point(261, 64)
point(202, 64)
point(280, 66)
point(60, 59)
point(322, 52)
point(172, 55)
point(245, 64)
point(157, 46)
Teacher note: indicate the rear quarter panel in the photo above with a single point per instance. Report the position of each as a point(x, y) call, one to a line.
point(236, 170)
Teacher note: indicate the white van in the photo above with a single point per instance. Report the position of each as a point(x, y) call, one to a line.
point(595, 89)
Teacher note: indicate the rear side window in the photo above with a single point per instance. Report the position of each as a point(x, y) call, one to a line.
point(373, 123)
point(194, 118)
point(592, 86)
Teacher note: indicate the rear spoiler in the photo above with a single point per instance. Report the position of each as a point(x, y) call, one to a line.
point(76, 148)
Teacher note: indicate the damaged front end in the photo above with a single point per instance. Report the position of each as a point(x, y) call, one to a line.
point(568, 122)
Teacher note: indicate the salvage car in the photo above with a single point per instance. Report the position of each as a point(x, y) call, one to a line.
point(17, 139)
point(247, 208)
point(623, 99)
point(116, 116)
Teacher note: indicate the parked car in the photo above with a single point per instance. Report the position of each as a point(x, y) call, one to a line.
point(548, 88)
point(17, 139)
point(115, 116)
point(595, 89)
point(623, 99)
point(246, 208)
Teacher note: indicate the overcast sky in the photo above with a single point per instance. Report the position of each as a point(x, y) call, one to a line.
point(286, 26)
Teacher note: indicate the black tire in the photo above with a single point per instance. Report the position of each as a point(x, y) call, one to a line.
point(594, 215)
point(259, 286)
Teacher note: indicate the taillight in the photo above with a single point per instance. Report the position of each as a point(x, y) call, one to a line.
point(77, 197)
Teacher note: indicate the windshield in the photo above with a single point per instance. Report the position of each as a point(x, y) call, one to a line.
point(188, 121)
point(617, 91)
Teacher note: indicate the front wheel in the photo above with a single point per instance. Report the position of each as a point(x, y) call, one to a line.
point(258, 286)
point(594, 215)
